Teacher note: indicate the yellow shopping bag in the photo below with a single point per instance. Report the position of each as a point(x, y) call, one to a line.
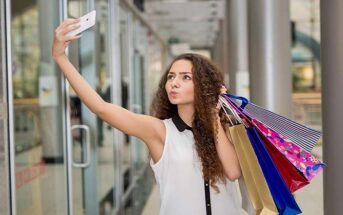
point(257, 188)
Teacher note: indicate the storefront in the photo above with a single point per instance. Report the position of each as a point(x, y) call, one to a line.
point(59, 157)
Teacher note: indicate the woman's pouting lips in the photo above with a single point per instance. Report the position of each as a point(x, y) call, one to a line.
point(172, 93)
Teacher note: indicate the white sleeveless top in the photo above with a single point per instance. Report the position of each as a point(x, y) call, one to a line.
point(178, 174)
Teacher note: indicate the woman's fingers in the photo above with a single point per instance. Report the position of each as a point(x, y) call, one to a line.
point(71, 38)
point(218, 106)
point(223, 90)
point(69, 22)
point(67, 26)
point(65, 23)
point(62, 40)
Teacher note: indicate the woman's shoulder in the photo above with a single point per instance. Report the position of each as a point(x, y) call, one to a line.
point(156, 146)
point(163, 124)
point(163, 127)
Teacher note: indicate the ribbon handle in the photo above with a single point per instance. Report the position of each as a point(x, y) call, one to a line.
point(244, 100)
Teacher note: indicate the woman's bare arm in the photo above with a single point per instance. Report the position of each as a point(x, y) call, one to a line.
point(151, 130)
point(86, 93)
point(227, 154)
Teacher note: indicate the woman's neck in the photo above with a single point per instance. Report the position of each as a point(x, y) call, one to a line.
point(186, 113)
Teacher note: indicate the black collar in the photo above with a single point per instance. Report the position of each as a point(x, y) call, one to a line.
point(180, 124)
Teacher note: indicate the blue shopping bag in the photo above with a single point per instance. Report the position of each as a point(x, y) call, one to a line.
point(282, 196)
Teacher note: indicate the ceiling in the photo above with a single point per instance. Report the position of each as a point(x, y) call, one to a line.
point(195, 22)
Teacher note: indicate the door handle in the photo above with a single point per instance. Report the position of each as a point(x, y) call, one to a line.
point(87, 161)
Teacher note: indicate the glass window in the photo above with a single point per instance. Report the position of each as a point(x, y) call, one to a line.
point(38, 113)
point(94, 186)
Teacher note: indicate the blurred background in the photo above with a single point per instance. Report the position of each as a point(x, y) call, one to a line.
point(56, 157)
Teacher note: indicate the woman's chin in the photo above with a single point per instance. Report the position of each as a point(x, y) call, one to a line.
point(174, 101)
point(179, 101)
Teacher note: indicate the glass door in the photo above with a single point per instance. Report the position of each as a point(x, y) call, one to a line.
point(126, 65)
point(66, 160)
point(139, 91)
point(93, 152)
point(36, 111)
point(137, 181)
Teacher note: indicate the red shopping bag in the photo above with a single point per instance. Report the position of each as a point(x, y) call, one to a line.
point(291, 175)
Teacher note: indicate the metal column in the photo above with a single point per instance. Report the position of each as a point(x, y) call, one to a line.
point(270, 55)
point(238, 46)
point(9, 148)
point(5, 164)
point(51, 121)
point(332, 100)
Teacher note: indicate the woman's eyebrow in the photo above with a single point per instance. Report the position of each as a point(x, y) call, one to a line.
point(182, 73)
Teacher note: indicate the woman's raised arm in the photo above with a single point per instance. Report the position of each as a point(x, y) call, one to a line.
point(150, 129)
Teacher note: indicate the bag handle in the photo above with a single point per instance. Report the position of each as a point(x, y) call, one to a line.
point(244, 100)
point(227, 103)
point(221, 102)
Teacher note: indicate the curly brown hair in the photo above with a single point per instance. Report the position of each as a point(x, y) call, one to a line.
point(208, 81)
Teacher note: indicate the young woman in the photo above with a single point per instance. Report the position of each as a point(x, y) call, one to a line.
point(185, 136)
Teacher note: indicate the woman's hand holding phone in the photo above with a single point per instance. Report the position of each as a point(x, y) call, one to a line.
point(61, 39)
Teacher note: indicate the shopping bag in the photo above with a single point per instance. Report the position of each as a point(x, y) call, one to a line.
point(293, 178)
point(246, 201)
point(299, 134)
point(282, 196)
point(301, 159)
point(257, 187)
point(306, 163)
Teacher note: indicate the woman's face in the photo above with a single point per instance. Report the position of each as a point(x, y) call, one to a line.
point(179, 85)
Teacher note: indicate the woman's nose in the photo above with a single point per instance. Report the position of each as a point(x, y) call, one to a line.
point(175, 83)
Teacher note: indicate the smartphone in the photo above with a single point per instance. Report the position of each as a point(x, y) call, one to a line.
point(86, 22)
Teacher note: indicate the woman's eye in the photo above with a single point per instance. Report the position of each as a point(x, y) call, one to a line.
point(170, 77)
point(187, 77)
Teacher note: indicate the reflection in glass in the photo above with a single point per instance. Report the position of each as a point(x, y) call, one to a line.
point(106, 160)
point(100, 177)
point(125, 81)
point(39, 169)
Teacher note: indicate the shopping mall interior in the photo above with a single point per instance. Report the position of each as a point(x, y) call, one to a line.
point(57, 157)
